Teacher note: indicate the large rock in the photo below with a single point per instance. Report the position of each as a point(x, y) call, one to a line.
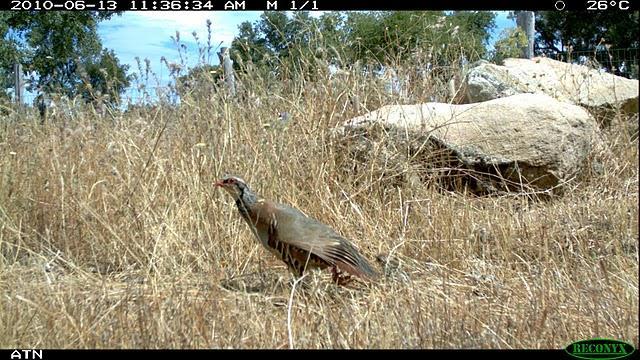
point(525, 142)
point(596, 90)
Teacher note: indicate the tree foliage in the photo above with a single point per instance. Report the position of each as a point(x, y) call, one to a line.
point(60, 52)
point(509, 45)
point(377, 38)
point(583, 31)
point(277, 42)
point(200, 80)
point(103, 77)
point(595, 32)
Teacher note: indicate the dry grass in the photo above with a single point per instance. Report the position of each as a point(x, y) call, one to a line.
point(112, 236)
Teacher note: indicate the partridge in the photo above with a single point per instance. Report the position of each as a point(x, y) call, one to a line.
point(300, 241)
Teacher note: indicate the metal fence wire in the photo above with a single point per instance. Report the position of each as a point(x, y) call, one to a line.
point(621, 62)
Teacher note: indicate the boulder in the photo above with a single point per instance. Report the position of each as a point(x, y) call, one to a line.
point(522, 143)
point(596, 90)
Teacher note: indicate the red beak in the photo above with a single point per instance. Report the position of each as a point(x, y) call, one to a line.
point(218, 183)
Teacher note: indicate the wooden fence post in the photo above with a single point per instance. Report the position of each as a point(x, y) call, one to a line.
point(526, 20)
point(227, 66)
point(18, 84)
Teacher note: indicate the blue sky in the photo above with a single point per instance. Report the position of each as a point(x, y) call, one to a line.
point(148, 35)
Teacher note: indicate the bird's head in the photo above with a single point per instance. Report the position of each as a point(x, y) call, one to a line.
point(233, 185)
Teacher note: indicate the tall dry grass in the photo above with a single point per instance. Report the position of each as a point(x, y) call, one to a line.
point(112, 235)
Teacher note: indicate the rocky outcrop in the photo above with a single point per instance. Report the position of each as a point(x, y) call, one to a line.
point(600, 92)
point(522, 143)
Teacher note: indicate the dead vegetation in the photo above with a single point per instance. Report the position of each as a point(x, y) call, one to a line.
point(112, 235)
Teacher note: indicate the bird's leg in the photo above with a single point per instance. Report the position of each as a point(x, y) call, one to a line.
point(342, 281)
point(334, 273)
point(338, 278)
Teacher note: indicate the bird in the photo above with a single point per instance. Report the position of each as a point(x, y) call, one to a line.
point(300, 241)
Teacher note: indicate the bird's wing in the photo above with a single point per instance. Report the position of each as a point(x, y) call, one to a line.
point(293, 227)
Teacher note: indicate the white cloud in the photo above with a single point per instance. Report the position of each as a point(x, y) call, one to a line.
point(182, 19)
point(148, 35)
point(223, 25)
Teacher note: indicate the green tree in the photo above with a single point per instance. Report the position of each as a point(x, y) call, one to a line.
point(54, 46)
point(563, 32)
point(249, 45)
point(103, 77)
point(9, 53)
point(273, 36)
point(509, 45)
point(200, 81)
point(423, 39)
point(583, 30)
point(476, 28)
point(376, 37)
point(280, 44)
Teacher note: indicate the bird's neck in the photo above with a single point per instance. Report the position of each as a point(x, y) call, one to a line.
point(245, 202)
